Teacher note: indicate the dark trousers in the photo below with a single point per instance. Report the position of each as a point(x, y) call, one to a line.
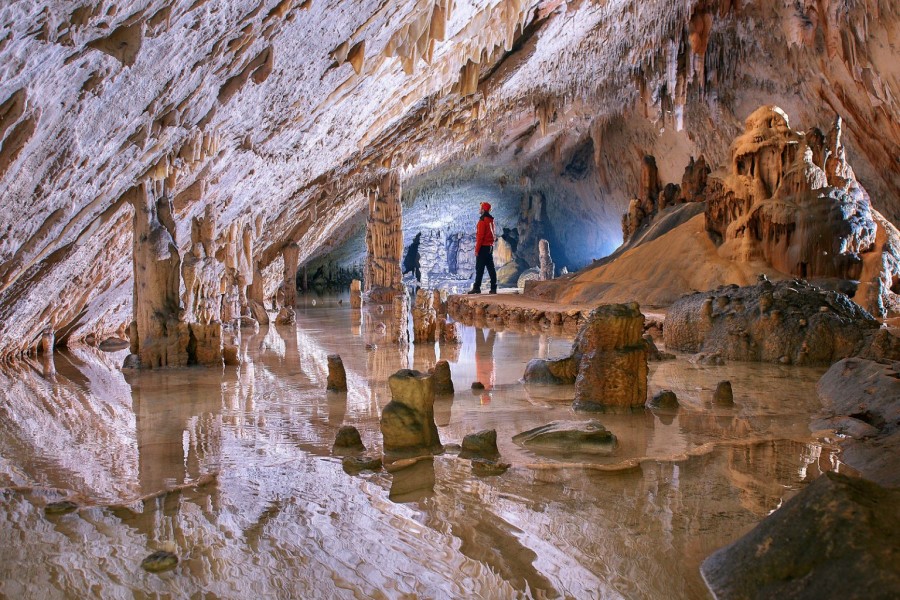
point(484, 259)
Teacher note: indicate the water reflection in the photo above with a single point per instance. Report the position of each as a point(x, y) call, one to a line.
point(281, 518)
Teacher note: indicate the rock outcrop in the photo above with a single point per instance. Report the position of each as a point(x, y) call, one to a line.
point(836, 538)
point(791, 322)
point(861, 401)
point(407, 422)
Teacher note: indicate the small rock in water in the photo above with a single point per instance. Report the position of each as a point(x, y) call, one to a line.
point(487, 468)
point(160, 561)
point(63, 507)
point(348, 439)
point(723, 396)
point(664, 399)
point(569, 437)
point(482, 444)
point(355, 464)
point(477, 385)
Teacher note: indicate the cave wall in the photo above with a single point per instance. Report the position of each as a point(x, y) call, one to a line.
point(285, 111)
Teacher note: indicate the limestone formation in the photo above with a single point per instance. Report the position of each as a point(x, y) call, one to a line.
point(203, 276)
point(348, 440)
point(288, 288)
point(159, 337)
point(664, 399)
point(355, 294)
point(548, 269)
point(484, 467)
point(424, 317)
point(482, 444)
point(160, 561)
point(788, 321)
point(407, 422)
point(398, 330)
point(357, 464)
point(337, 376)
point(384, 241)
point(563, 370)
point(570, 437)
point(836, 538)
point(450, 334)
point(723, 395)
point(441, 378)
point(861, 401)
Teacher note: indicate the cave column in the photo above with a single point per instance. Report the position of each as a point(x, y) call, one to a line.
point(158, 336)
point(384, 241)
point(291, 255)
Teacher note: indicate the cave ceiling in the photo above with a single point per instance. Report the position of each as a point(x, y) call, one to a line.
point(285, 111)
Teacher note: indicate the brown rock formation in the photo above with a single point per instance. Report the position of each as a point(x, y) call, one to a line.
point(384, 241)
point(398, 326)
point(548, 269)
point(337, 376)
point(424, 317)
point(441, 378)
point(407, 422)
point(355, 294)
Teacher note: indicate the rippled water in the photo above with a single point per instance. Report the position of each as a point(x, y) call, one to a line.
point(275, 515)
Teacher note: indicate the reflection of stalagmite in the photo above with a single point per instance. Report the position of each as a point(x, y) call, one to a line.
point(548, 269)
point(384, 241)
point(158, 337)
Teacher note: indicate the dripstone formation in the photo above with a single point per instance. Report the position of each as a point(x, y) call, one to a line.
point(384, 241)
point(407, 422)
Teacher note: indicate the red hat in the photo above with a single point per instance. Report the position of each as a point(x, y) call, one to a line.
point(486, 206)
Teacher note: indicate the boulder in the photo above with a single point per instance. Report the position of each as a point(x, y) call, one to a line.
point(654, 353)
point(286, 316)
point(723, 396)
point(407, 422)
point(586, 437)
point(788, 321)
point(484, 467)
point(664, 399)
point(861, 400)
point(356, 464)
point(553, 370)
point(337, 376)
point(835, 539)
point(348, 440)
point(482, 444)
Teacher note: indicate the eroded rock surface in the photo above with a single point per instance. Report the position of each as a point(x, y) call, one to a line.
point(588, 437)
point(407, 422)
point(790, 322)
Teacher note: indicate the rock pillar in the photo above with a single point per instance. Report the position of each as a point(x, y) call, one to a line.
point(548, 269)
point(424, 318)
point(204, 288)
point(291, 255)
point(384, 241)
point(355, 294)
point(399, 324)
point(407, 422)
point(159, 338)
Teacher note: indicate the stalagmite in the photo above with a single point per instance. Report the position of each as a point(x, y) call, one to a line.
point(355, 294)
point(158, 336)
point(384, 241)
point(47, 341)
point(424, 317)
point(291, 255)
point(337, 376)
point(407, 422)
point(256, 297)
point(441, 378)
point(548, 269)
point(399, 322)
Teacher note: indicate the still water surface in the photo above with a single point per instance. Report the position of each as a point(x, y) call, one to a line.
point(275, 516)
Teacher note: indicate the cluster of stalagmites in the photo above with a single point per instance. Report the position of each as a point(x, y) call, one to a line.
point(789, 199)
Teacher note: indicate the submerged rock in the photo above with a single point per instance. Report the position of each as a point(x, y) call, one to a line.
point(348, 440)
point(861, 400)
point(589, 437)
point(357, 464)
point(481, 444)
point(835, 539)
point(487, 468)
point(160, 561)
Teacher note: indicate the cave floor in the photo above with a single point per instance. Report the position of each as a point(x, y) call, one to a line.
point(275, 514)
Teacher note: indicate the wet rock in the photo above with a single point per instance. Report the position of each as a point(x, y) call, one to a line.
point(664, 399)
point(554, 370)
point(482, 444)
point(450, 333)
point(654, 353)
point(861, 399)
point(483, 467)
point(441, 378)
point(424, 318)
point(588, 437)
point(132, 361)
point(63, 507)
point(286, 316)
point(835, 539)
point(113, 344)
point(384, 241)
point(348, 440)
point(337, 376)
point(477, 385)
point(357, 464)
point(160, 561)
point(708, 359)
point(355, 294)
point(407, 422)
point(768, 321)
point(723, 396)
point(612, 367)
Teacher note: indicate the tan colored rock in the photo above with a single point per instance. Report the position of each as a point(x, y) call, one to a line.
point(398, 330)
point(337, 376)
point(548, 269)
point(424, 317)
point(355, 294)
point(450, 333)
point(384, 240)
point(441, 378)
point(407, 422)
point(291, 254)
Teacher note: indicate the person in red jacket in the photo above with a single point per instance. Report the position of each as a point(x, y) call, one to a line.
point(484, 250)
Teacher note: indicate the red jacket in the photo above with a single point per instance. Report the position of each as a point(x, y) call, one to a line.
point(484, 233)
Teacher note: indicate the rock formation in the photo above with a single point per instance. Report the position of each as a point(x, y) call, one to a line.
point(548, 269)
point(836, 538)
point(407, 422)
point(337, 376)
point(384, 241)
point(582, 437)
point(291, 254)
point(861, 401)
point(398, 325)
point(790, 322)
point(159, 338)
point(441, 378)
point(482, 444)
point(348, 441)
point(204, 283)
point(424, 317)
point(355, 294)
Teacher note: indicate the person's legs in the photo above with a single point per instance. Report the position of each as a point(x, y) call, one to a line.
point(479, 272)
point(490, 269)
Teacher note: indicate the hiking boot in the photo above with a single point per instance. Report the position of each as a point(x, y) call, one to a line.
point(493, 291)
point(474, 292)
